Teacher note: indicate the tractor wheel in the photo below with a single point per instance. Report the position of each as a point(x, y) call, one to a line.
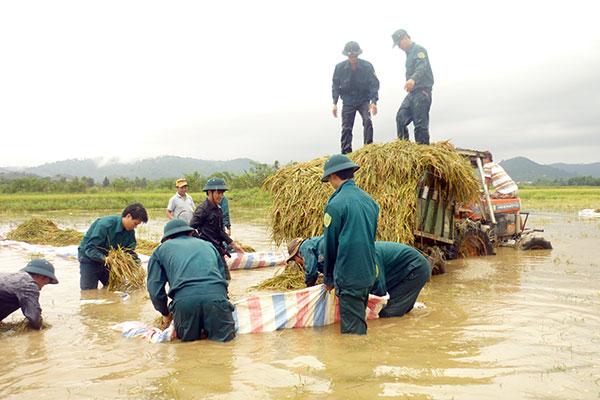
point(470, 242)
point(535, 243)
point(436, 262)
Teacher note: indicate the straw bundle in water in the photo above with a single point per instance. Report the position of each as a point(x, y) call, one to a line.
point(125, 273)
point(389, 172)
point(19, 327)
point(44, 231)
point(291, 278)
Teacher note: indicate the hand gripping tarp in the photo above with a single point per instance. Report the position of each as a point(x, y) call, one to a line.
point(313, 306)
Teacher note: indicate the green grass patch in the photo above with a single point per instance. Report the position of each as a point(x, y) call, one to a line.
point(563, 198)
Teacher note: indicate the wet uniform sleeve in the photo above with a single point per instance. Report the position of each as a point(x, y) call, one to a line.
point(129, 244)
point(225, 209)
point(198, 217)
point(311, 267)
point(331, 233)
point(98, 239)
point(30, 305)
point(335, 88)
point(373, 85)
point(157, 278)
point(421, 66)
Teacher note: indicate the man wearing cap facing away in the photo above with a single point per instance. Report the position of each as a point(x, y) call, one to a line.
point(349, 229)
point(355, 81)
point(197, 287)
point(181, 205)
point(208, 220)
point(22, 290)
point(419, 82)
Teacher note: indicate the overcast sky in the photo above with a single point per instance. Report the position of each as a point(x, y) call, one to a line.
point(230, 79)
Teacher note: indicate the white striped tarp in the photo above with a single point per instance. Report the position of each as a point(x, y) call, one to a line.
point(313, 306)
point(258, 259)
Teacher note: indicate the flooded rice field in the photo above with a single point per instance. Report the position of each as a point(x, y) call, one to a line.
point(518, 325)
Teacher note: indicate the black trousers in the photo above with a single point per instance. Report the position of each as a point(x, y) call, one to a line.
point(415, 109)
point(348, 114)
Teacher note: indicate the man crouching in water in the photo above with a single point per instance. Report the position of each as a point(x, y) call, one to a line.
point(194, 271)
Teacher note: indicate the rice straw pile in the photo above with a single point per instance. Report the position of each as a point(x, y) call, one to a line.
point(388, 172)
point(125, 273)
point(44, 231)
point(291, 278)
point(145, 246)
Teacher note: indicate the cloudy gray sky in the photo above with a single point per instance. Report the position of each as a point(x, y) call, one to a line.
point(229, 79)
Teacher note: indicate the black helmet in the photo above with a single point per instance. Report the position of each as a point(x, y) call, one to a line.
point(352, 49)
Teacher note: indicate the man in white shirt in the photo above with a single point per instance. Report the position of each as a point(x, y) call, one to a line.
point(505, 187)
point(181, 205)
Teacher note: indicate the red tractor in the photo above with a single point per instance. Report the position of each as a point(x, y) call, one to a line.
point(454, 230)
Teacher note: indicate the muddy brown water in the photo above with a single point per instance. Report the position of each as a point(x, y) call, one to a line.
point(518, 325)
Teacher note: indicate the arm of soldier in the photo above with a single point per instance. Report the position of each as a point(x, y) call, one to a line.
point(311, 268)
point(373, 90)
point(335, 91)
point(226, 219)
point(157, 278)
point(97, 245)
point(30, 306)
point(331, 233)
point(421, 64)
point(197, 218)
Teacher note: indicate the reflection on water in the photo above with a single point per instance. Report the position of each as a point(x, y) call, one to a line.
point(515, 325)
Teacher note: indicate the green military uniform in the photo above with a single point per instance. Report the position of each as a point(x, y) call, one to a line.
point(350, 226)
point(403, 271)
point(194, 271)
point(105, 233)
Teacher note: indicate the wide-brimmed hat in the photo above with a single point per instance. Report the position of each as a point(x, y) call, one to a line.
point(293, 247)
point(215, 184)
point(336, 163)
point(352, 49)
point(41, 267)
point(181, 183)
point(175, 226)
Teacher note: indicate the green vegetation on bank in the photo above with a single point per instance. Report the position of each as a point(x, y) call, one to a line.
point(563, 198)
point(104, 200)
point(566, 199)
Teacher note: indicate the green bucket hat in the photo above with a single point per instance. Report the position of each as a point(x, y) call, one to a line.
point(336, 163)
point(175, 226)
point(41, 267)
point(215, 184)
point(352, 49)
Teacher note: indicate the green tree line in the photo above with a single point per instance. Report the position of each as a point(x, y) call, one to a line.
point(254, 177)
point(575, 181)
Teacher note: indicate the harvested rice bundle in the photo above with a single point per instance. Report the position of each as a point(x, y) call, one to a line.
point(145, 246)
point(125, 273)
point(44, 231)
point(19, 327)
point(291, 278)
point(390, 173)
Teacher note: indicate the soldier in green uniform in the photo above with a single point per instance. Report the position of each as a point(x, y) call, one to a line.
point(355, 81)
point(194, 271)
point(403, 271)
point(350, 226)
point(419, 83)
point(106, 233)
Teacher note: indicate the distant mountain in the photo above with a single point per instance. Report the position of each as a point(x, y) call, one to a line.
point(12, 174)
point(522, 169)
point(152, 168)
point(592, 170)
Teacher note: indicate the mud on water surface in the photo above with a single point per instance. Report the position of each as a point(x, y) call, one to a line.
point(514, 325)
